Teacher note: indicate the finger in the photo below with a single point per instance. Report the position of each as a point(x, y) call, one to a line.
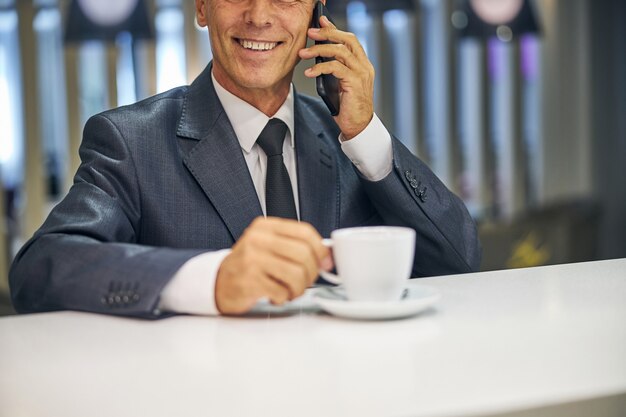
point(326, 23)
point(300, 254)
point(335, 50)
point(301, 231)
point(305, 232)
point(292, 276)
point(335, 68)
point(293, 261)
point(276, 292)
point(335, 35)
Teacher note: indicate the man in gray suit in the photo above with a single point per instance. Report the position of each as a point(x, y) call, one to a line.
point(166, 214)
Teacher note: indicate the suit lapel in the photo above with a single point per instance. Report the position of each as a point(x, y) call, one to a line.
point(218, 165)
point(217, 162)
point(317, 172)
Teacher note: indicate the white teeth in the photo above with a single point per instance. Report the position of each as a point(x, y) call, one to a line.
point(257, 46)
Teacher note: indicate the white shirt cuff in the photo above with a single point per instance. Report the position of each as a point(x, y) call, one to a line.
point(370, 151)
point(192, 289)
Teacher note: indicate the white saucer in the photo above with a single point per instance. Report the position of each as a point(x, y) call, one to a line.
point(333, 301)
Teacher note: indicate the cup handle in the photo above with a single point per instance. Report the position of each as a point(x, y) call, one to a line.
point(329, 276)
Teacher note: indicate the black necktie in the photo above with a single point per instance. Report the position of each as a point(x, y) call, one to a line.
point(278, 193)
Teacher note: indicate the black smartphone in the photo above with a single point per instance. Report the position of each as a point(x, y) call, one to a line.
point(327, 84)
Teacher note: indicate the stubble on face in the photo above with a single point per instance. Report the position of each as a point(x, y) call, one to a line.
point(255, 46)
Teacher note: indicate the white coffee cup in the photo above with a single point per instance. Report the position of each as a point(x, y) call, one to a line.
point(373, 263)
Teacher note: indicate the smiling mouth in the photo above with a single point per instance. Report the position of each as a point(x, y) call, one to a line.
point(260, 46)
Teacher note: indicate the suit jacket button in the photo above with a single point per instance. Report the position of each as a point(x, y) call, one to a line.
point(413, 183)
point(407, 175)
point(421, 194)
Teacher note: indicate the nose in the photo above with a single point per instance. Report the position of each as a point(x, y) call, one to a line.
point(259, 13)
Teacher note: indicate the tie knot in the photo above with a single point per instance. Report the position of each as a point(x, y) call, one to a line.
point(272, 137)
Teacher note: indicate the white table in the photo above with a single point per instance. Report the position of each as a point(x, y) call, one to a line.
point(539, 341)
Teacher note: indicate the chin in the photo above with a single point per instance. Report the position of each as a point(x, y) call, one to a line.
point(260, 81)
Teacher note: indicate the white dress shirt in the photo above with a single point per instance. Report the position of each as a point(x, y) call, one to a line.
point(192, 289)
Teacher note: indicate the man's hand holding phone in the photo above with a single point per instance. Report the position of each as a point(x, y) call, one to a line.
point(353, 69)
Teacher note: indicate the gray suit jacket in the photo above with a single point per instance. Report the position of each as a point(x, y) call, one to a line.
point(165, 179)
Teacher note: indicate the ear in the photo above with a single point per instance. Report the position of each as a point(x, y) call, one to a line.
point(201, 16)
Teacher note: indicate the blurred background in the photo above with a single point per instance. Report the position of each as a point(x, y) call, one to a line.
point(519, 106)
